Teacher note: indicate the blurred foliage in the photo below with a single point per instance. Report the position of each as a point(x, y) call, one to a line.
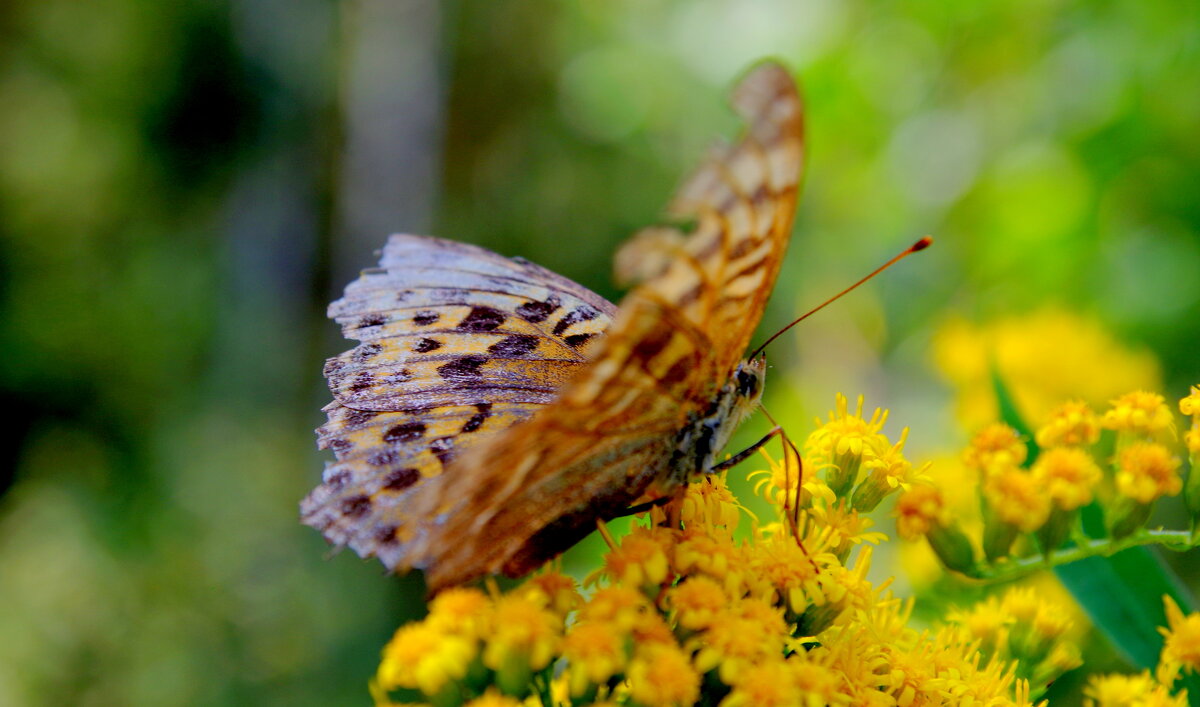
point(168, 201)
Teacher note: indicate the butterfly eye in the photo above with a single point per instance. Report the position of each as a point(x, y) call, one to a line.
point(749, 382)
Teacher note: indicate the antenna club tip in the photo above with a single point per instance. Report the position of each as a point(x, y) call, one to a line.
point(922, 244)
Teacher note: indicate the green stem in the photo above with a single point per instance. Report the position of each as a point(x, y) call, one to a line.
point(1177, 540)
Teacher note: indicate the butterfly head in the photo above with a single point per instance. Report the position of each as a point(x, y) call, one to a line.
point(748, 380)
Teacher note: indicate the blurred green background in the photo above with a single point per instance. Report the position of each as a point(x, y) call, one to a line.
point(185, 185)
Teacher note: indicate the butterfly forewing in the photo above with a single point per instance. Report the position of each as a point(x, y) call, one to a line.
point(458, 344)
point(519, 497)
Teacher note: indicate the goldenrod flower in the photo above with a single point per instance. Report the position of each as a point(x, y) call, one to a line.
point(996, 446)
point(641, 558)
point(1043, 357)
point(788, 568)
point(776, 683)
point(918, 510)
point(709, 501)
point(713, 555)
point(552, 590)
point(1139, 413)
point(1016, 498)
point(662, 676)
point(1067, 475)
point(847, 527)
point(1071, 424)
point(524, 639)
point(1146, 471)
point(492, 698)
point(888, 471)
point(460, 610)
point(1125, 690)
point(696, 602)
point(747, 632)
point(1181, 648)
point(422, 657)
point(1191, 406)
point(838, 447)
point(618, 605)
point(595, 651)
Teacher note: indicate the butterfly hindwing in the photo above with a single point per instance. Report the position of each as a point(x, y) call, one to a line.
point(458, 344)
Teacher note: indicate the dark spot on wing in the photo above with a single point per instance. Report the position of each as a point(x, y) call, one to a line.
point(465, 369)
point(405, 432)
point(339, 444)
point(337, 479)
point(476, 421)
point(577, 340)
point(427, 345)
point(383, 458)
point(366, 351)
point(743, 246)
point(677, 372)
point(356, 506)
point(425, 318)
point(582, 313)
point(401, 376)
point(352, 417)
point(361, 382)
point(403, 295)
point(650, 346)
point(482, 319)
point(443, 449)
point(385, 534)
point(373, 319)
point(515, 345)
point(401, 479)
point(333, 367)
point(535, 312)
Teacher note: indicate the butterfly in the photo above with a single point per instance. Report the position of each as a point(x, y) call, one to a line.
point(494, 410)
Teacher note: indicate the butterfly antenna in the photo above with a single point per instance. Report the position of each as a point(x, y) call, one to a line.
point(914, 248)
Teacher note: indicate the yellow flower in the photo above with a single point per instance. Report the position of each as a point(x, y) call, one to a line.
point(1071, 424)
point(888, 472)
point(552, 590)
point(839, 446)
point(422, 657)
point(747, 633)
point(774, 683)
point(1139, 412)
point(1044, 357)
point(696, 602)
point(847, 527)
point(595, 652)
point(1181, 648)
point(1016, 498)
point(617, 605)
point(712, 555)
point(641, 559)
point(1067, 475)
point(1146, 471)
point(1191, 406)
point(709, 501)
point(524, 639)
point(662, 676)
point(919, 510)
point(460, 610)
point(789, 569)
point(492, 698)
point(1130, 691)
point(996, 446)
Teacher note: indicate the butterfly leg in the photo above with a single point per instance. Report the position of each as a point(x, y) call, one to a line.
point(643, 507)
point(742, 455)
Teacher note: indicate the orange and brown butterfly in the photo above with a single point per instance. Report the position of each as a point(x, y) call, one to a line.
point(494, 410)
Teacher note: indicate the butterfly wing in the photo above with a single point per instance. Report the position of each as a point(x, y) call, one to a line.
point(520, 497)
point(457, 344)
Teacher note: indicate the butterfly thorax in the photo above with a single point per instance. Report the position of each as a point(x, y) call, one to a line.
point(706, 434)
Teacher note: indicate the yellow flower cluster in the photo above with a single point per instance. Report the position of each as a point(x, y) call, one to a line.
point(1180, 654)
point(1041, 498)
point(685, 612)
